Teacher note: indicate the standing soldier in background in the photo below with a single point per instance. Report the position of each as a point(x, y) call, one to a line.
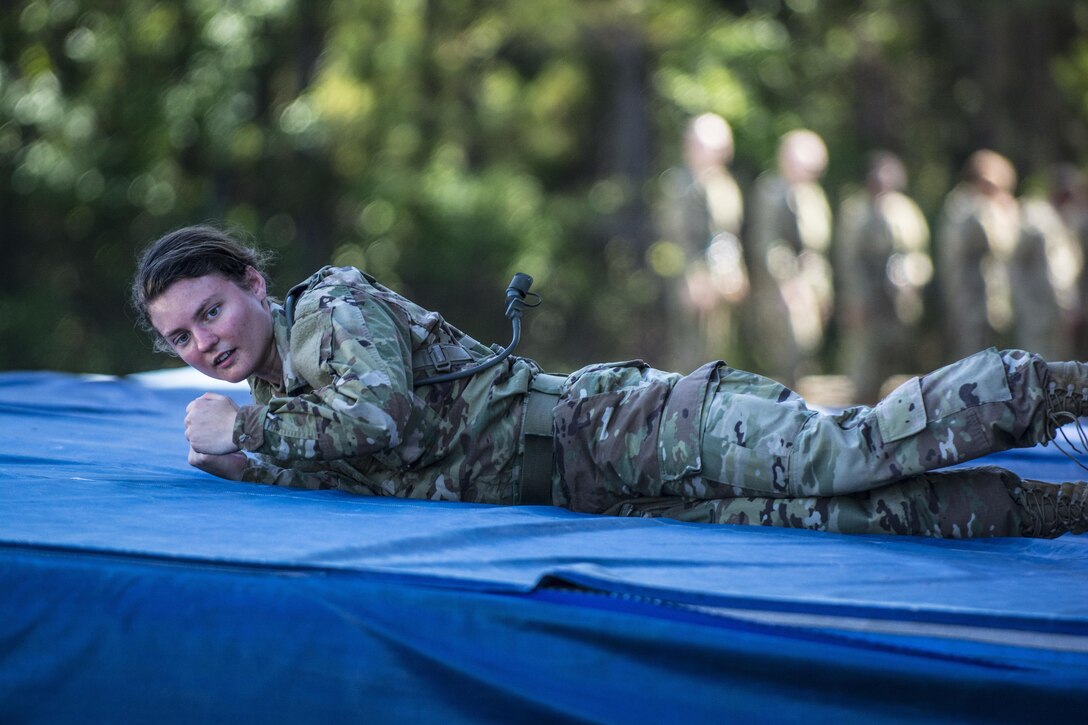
point(1069, 196)
point(790, 239)
point(883, 265)
point(1044, 271)
point(977, 235)
point(702, 217)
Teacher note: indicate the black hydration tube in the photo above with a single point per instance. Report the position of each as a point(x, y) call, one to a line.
point(516, 292)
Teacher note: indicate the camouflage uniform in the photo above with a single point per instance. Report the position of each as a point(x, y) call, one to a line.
point(792, 292)
point(347, 415)
point(717, 445)
point(977, 237)
point(883, 264)
point(702, 218)
point(1042, 277)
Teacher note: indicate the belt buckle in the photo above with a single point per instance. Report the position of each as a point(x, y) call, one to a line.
point(438, 357)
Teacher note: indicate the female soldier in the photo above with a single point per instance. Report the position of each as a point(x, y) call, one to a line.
point(356, 388)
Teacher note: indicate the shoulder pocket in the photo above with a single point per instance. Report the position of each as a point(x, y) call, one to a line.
point(311, 345)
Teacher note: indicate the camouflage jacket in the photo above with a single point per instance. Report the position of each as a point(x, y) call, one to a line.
point(348, 414)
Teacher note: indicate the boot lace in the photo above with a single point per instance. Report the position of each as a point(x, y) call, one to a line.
point(1054, 509)
point(1072, 507)
point(1062, 402)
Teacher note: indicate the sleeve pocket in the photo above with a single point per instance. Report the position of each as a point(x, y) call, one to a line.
point(903, 413)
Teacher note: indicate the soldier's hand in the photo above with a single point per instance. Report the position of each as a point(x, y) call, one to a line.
point(209, 424)
point(229, 466)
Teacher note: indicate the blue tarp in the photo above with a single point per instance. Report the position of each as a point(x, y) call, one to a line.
point(135, 588)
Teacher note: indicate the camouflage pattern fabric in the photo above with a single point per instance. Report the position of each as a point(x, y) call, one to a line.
point(347, 415)
point(622, 430)
point(882, 266)
point(730, 445)
point(976, 238)
point(792, 286)
point(1043, 271)
point(717, 445)
point(700, 221)
point(955, 504)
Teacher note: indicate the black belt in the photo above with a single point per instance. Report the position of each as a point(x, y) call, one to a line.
point(538, 462)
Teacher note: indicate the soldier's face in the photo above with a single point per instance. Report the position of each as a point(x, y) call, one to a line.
point(217, 326)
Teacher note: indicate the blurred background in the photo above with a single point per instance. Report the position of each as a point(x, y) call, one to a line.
point(442, 145)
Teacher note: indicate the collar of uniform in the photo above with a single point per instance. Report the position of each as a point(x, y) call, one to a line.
point(281, 336)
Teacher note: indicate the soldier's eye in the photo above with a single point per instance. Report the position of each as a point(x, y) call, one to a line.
point(181, 339)
point(212, 312)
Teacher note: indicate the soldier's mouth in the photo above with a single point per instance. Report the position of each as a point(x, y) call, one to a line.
point(223, 358)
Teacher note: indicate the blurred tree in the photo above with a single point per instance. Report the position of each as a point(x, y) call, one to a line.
point(443, 145)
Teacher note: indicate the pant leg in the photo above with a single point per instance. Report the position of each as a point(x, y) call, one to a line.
point(959, 503)
point(760, 439)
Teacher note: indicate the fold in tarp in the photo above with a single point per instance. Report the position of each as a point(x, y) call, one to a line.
point(133, 587)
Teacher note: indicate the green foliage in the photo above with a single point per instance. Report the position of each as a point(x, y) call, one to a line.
point(444, 145)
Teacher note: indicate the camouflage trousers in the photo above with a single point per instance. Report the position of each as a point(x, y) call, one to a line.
point(754, 452)
point(958, 503)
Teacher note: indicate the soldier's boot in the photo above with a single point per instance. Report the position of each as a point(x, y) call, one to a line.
point(1067, 391)
point(1067, 399)
point(1048, 510)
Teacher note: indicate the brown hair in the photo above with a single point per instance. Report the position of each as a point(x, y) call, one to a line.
point(188, 253)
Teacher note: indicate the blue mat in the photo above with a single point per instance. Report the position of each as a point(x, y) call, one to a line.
point(135, 588)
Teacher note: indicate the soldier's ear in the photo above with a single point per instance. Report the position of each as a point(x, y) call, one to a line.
point(256, 283)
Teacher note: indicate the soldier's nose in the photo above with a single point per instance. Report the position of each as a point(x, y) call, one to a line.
point(205, 340)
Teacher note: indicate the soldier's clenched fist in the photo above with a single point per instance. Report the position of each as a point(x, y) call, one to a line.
point(209, 424)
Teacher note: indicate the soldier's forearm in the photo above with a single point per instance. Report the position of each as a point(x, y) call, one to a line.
point(259, 471)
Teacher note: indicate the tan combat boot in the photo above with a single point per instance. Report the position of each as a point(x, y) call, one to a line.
point(1049, 510)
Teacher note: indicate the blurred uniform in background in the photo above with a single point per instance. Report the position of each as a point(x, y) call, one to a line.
point(883, 266)
point(791, 275)
point(1068, 195)
point(702, 215)
point(976, 236)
